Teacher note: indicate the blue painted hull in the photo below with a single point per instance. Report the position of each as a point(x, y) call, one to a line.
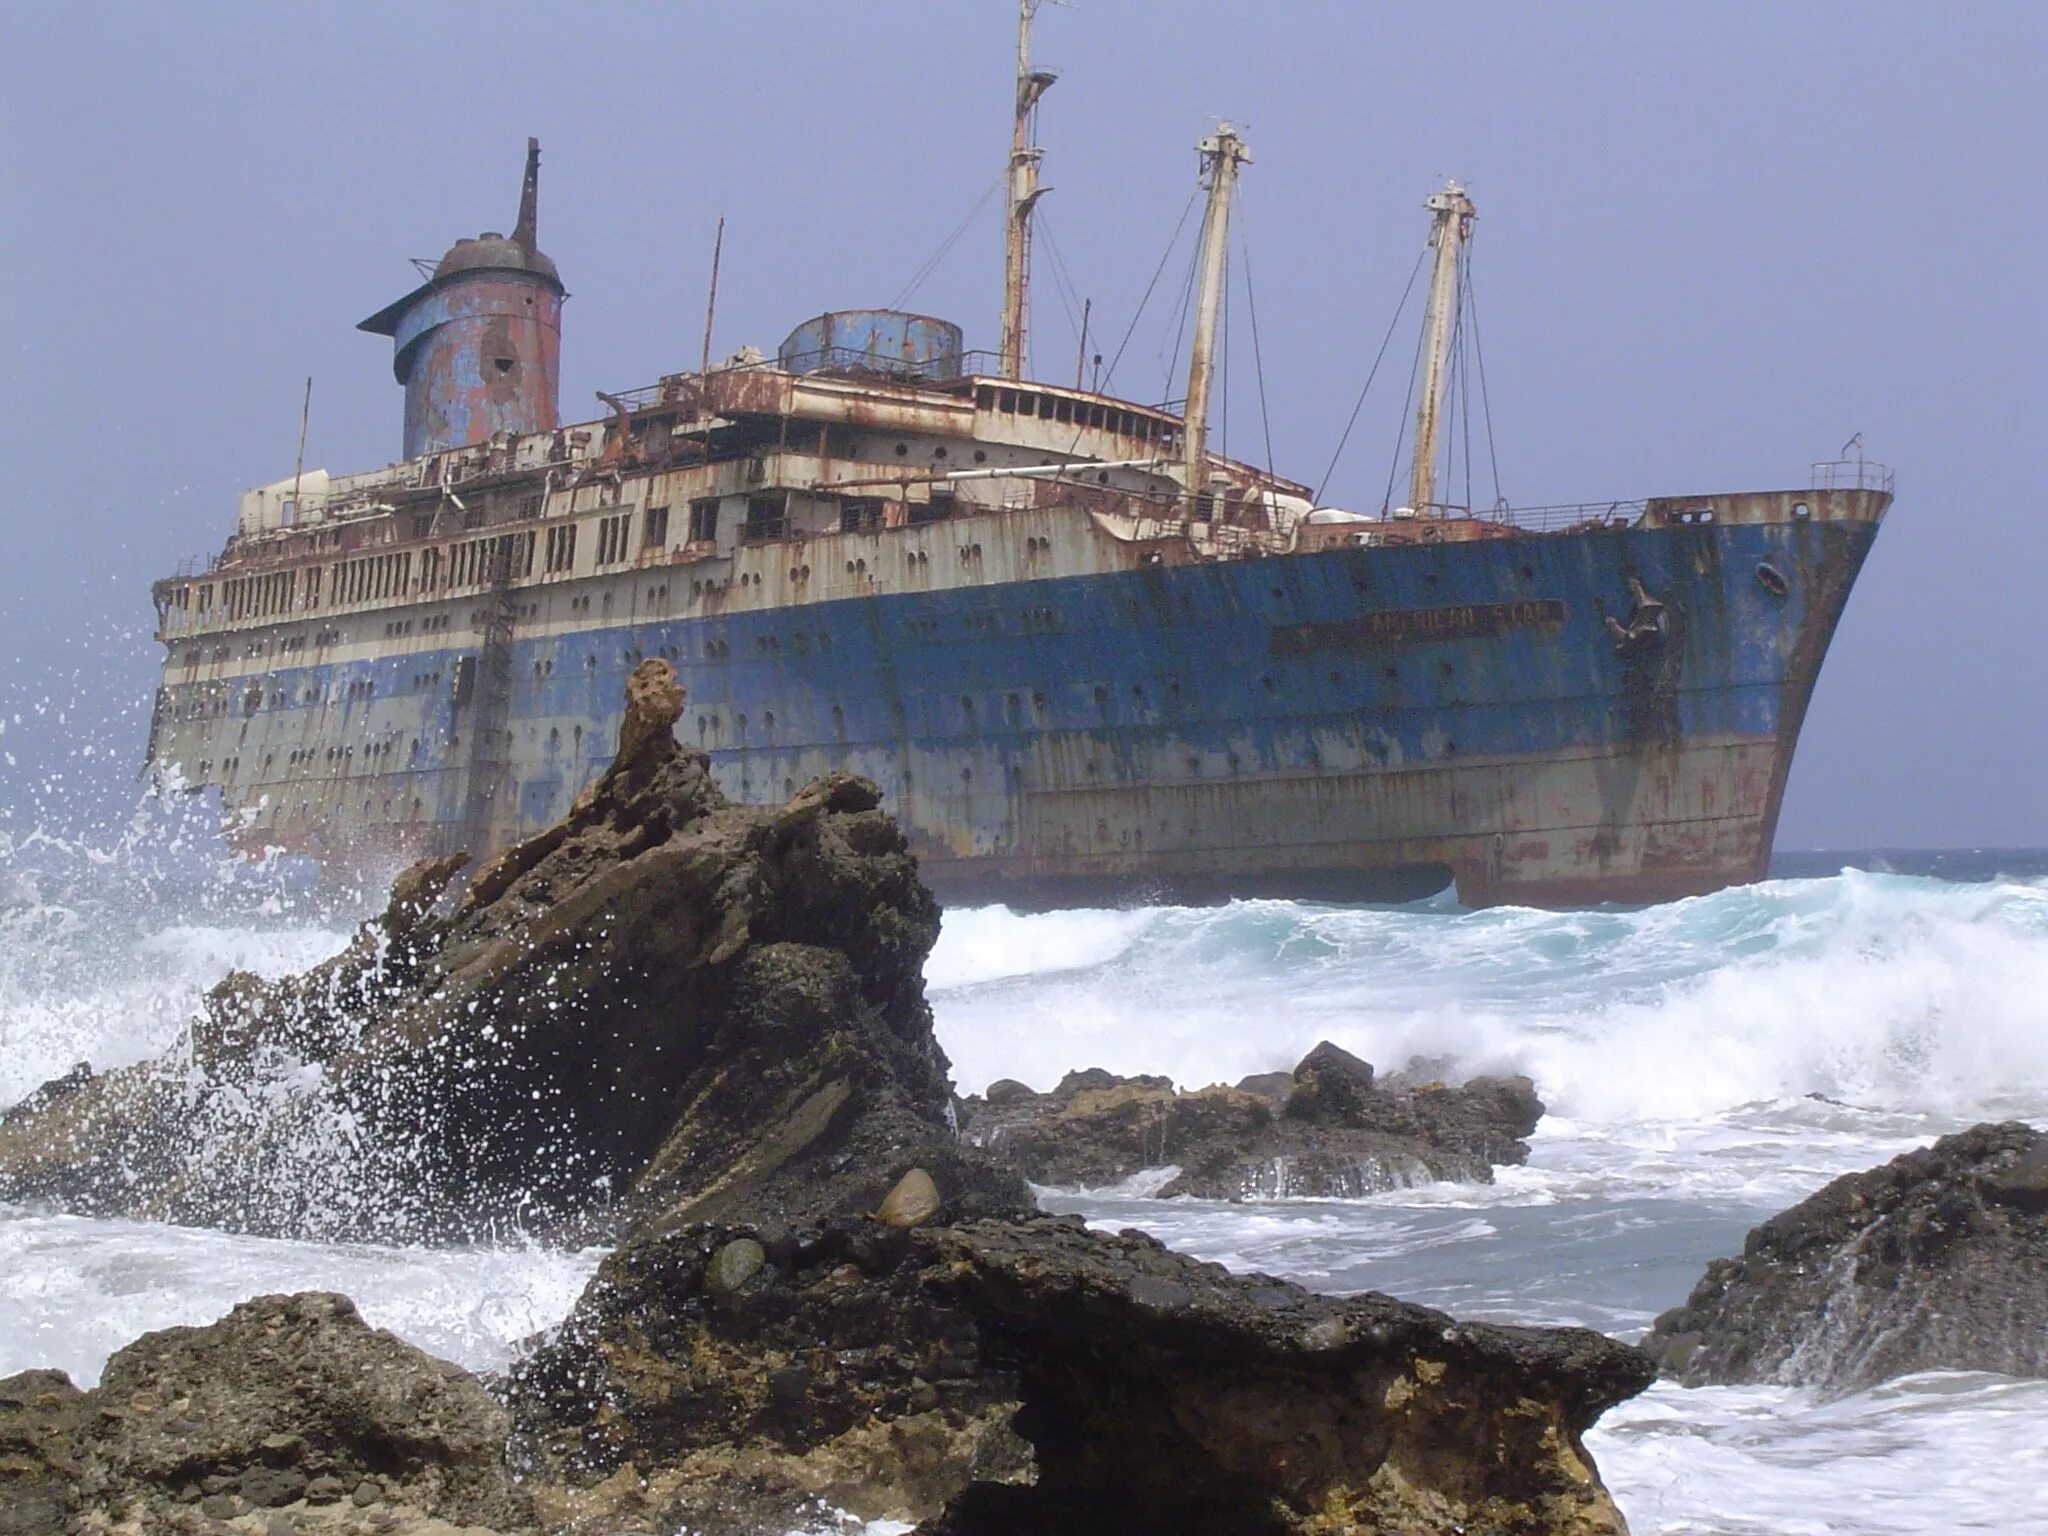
point(1351, 723)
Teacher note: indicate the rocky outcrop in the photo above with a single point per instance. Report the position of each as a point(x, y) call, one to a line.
point(706, 1024)
point(1936, 1261)
point(714, 1376)
point(877, 1370)
point(665, 1008)
point(291, 1405)
point(1329, 1129)
point(1165, 1395)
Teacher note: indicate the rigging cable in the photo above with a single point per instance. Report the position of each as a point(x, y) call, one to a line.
point(1251, 305)
point(1485, 401)
point(931, 262)
point(1359, 404)
point(1414, 368)
point(1063, 282)
point(1179, 325)
point(1164, 256)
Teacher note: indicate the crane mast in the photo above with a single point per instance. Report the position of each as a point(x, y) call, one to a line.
point(1452, 227)
point(1023, 193)
point(1222, 153)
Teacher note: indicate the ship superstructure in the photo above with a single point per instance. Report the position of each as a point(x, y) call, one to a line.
point(1084, 655)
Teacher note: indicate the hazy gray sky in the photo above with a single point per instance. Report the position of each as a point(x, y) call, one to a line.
point(1714, 241)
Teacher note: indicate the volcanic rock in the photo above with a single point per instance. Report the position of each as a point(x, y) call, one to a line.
point(666, 1008)
point(830, 1376)
point(285, 1395)
point(1936, 1261)
point(1328, 1130)
point(1165, 1395)
point(879, 1371)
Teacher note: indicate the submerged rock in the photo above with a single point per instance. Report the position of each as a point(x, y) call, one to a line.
point(1329, 1129)
point(1936, 1261)
point(666, 1008)
point(279, 1406)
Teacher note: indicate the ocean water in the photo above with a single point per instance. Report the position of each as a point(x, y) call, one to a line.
point(1705, 1063)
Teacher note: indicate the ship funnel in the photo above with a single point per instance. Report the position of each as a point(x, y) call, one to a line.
point(478, 345)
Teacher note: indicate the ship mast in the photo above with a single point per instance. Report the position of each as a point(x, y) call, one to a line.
point(1222, 153)
point(1024, 192)
point(1454, 213)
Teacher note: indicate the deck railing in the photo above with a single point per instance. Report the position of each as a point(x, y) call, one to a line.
point(1851, 475)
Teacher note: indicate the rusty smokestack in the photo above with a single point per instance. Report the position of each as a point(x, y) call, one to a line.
point(478, 345)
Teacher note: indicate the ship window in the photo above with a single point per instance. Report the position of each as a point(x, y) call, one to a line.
point(858, 514)
point(704, 520)
point(613, 534)
point(654, 528)
point(1009, 400)
point(985, 398)
point(1045, 407)
point(767, 515)
point(1065, 410)
point(561, 553)
point(1801, 509)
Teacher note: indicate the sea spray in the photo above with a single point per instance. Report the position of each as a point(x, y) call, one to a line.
point(1677, 1046)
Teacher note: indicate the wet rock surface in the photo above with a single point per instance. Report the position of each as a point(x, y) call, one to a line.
point(705, 1025)
point(1329, 1129)
point(807, 1366)
point(1938, 1260)
point(667, 1007)
point(291, 1408)
point(1163, 1394)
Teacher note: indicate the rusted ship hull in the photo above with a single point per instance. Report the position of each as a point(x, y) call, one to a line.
point(1606, 713)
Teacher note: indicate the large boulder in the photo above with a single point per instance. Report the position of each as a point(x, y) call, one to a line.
point(1936, 1261)
point(1162, 1395)
point(290, 1404)
point(666, 1008)
point(1328, 1130)
point(709, 1377)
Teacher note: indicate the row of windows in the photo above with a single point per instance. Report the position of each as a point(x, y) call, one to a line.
point(1080, 413)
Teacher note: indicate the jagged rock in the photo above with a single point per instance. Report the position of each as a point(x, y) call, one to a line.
point(1331, 1087)
point(1327, 1130)
point(667, 1008)
point(1936, 1261)
point(284, 1396)
point(1165, 1395)
point(707, 1022)
point(877, 1370)
point(830, 1376)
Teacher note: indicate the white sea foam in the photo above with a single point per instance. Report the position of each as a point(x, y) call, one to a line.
point(1928, 1455)
point(1675, 1045)
point(74, 1290)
